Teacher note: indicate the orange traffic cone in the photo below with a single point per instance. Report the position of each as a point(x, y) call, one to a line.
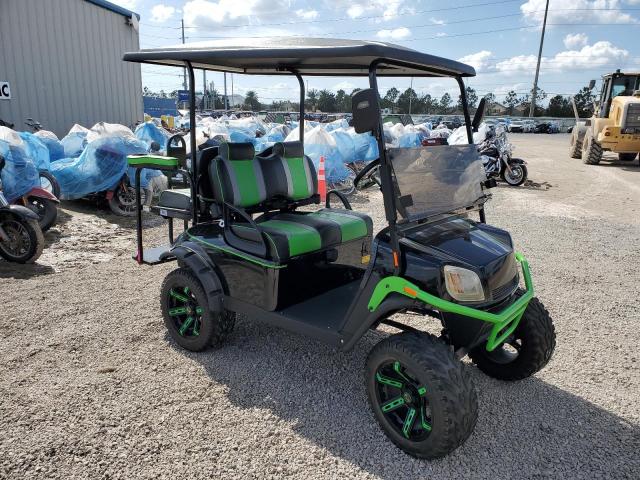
point(322, 183)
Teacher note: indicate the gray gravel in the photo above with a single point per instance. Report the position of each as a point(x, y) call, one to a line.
point(91, 387)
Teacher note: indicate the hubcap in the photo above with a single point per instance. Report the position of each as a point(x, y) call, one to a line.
point(19, 241)
point(185, 311)
point(403, 401)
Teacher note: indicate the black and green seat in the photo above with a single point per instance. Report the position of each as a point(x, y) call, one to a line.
point(275, 185)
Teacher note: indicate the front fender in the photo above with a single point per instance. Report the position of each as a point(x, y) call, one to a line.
point(42, 193)
point(192, 256)
point(518, 160)
point(20, 211)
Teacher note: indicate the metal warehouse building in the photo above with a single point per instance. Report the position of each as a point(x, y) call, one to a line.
point(61, 63)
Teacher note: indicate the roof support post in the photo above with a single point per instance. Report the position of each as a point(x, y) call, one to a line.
point(388, 193)
point(465, 109)
point(301, 108)
point(193, 143)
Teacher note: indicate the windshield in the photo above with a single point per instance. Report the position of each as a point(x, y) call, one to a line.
point(624, 86)
point(436, 179)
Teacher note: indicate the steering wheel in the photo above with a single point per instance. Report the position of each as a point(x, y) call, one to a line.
point(368, 176)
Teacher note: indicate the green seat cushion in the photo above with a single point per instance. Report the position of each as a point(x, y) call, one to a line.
point(352, 225)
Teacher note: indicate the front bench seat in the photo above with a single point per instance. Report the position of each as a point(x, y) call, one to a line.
point(255, 184)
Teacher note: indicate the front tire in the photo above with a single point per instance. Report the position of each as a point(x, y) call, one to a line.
point(627, 157)
point(190, 322)
point(26, 241)
point(517, 176)
point(575, 149)
point(591, 150)
point(123, 201)
point(421, 395)
point(47, 211)
point(527, 351)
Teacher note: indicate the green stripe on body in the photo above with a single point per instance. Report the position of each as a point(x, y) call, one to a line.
point(350, 227)
point(298, 178)
point(301, 238)
point(247, 183)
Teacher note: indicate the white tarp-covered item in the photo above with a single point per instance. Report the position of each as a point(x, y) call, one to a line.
point(75, 141)
point(318, 142)
point(56, 150)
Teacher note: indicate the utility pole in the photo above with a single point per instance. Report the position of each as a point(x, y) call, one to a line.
point(184, 70)
point(204, 89)
point(226, 99)
point(232, 89)
point(534, 92)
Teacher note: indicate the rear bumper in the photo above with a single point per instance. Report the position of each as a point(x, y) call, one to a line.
point(612, 138)
point(503, 323)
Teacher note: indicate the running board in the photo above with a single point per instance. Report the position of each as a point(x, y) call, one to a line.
point(151, 256)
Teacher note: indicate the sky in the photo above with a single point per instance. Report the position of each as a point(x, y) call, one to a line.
point(500, 38)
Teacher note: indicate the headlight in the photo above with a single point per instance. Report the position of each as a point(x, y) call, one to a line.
point(462, 284)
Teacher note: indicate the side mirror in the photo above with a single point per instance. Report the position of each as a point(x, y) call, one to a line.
point(365, 110)
point(592, 84)
point(477, 118)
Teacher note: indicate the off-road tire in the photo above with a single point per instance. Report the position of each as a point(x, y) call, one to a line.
point(575, 148)
point(538, 340)
point(450, 390)
point(214, 326)
point(591, 150)
point(627, 157)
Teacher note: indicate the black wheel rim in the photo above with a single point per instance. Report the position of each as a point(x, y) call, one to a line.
point(127, 199)
point(19, 241)
point(37, 206)
point(185, 311)
point(515, 175)
point(404, 401)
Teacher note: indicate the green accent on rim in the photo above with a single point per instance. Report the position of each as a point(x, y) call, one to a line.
point(232, 252)
point(422, 391)
point(151, 161)
point(408, 422)
point(178, 311)
point(388, 381)
point(196, 329)
point(504, 322)
point(187, 323)
point(398, 369)
point(178, 296)
point(298, 178)
point(301, 238)
point(350, 227)
point(426, 425)
point(392, 404)
point(247, 183)
point(199, 310)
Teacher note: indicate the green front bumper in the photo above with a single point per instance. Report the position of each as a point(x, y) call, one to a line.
point(504, 322)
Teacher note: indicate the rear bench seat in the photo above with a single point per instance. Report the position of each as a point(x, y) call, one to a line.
point(285, 177)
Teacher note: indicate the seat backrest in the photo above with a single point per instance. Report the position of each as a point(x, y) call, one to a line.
point(289, 173)
point(236, 176)
point(204, 159)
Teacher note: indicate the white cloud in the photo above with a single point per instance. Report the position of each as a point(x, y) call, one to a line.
point(479, 60)
point(128, 4)
point(576, 11)
point(206, 13)
point(161, 13)
point(307, 14)
point(355, 11)
point(395, 34)
point(575, 40)
point(436, 21)
point(589, 56)
point(346, 86)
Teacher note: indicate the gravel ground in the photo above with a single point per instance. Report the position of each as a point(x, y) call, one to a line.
point(91, 386)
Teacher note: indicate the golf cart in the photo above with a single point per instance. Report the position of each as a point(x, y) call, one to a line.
point(257, 246)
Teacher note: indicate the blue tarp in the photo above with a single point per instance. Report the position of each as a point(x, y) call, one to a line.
point(149, 132)
point(37, 150)
point(100, 167)
point(56, 150)
point(74, 143)
point(19, 174)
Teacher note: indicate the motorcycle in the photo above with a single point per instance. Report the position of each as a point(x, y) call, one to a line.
point(21, 239)
point(496, 154)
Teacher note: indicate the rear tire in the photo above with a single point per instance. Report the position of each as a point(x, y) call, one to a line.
point(575, 149)
point(414, 371)
point(627, 157)
point(190, 322)
point(591, 150)
point(27, 240)
point(47, 211)
point(533, 341)
point(49, 183)
point(123, 202)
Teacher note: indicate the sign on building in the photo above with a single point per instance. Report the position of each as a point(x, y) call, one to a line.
point(5, 91)
point(183, 96)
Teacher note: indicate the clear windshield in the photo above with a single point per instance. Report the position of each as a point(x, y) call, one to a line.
point(437, 179)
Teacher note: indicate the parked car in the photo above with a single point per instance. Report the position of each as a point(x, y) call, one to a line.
point(516, 126)
point(528, 126)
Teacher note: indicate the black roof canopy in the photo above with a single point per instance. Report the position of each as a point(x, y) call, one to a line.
point(307, 56)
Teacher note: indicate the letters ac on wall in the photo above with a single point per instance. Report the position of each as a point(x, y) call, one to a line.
point(5, 91)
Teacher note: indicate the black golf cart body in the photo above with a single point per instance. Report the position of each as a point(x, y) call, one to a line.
point(342, 287)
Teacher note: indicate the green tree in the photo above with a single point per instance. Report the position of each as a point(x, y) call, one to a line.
point(584, 102)
point(327, 101)
point(472, 98)
point(251, 101)
point(343, 101)
point(559, 106)
point(444, 106)
point(312, 100)
point(511, 101)
point(407, 101)
point(427, 104)
point(390, 98)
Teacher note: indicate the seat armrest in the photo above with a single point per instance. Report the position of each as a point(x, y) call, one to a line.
point(255, 248)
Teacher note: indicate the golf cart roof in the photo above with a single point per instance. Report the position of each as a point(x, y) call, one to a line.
point(307, 56)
